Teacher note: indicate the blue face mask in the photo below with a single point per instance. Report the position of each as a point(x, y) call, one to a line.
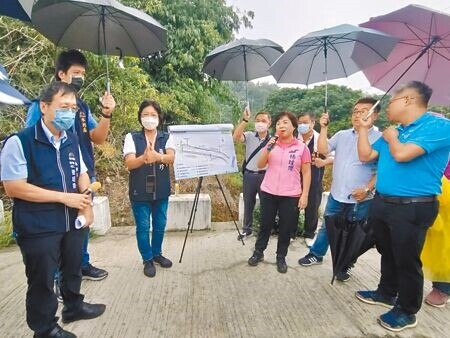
point(64, 118)
point(303, 128)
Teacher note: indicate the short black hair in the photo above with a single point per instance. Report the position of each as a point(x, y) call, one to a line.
point(307, 113)
point(421, 88)
point(263, 113)
point(155, 105)
point(291, 117)
point(49, 91)
point(369, 100)
point(68, 58)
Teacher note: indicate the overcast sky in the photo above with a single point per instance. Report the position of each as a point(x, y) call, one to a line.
point(285, 21)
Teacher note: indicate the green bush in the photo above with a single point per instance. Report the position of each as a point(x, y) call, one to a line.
point(6, 237)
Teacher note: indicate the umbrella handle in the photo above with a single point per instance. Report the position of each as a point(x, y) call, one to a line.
point(371, 111)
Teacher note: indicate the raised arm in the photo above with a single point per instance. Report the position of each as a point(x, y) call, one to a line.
point(238, 134)
point(322, 142)
point(401, 152)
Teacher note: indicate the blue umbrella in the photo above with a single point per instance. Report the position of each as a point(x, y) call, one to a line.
point(8, 94)
point(17, 9)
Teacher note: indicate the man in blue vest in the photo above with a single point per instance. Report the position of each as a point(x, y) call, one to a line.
point(71, 68)
point(411, 161)
point(44, 172)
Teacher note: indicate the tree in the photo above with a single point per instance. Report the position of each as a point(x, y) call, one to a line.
point(194, 28)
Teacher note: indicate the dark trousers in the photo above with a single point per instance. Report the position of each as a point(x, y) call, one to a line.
point(42, 256)
point(312, 210)
point(400, 231)
point(251, 187)
point(287, 209)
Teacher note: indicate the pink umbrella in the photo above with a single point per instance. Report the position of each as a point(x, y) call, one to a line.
point(423, 53)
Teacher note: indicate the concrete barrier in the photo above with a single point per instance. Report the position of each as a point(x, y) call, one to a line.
point(102, 216)
point(2, 212)
point(180, 209)
point(323, 203)
point(241, 207)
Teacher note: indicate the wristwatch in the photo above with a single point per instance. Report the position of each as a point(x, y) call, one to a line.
point(367, 190)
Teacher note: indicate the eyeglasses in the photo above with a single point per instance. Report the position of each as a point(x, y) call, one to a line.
point(399, 98)
point(359, 112)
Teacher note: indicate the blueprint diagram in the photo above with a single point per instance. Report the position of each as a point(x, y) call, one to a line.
point(203, 150)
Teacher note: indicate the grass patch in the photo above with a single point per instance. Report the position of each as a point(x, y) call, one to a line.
point(6, 238)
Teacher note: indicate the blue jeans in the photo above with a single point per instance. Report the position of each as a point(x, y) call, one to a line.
point(442, 286)
point(333, 207)
point(142, 211)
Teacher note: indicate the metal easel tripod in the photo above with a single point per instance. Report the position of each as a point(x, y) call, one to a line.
point(194, 211)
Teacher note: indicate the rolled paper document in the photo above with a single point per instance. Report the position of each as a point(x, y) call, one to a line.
point(80, 222)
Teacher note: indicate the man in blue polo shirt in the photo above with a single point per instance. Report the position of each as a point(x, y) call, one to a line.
point(70, 67)
point(411, 161)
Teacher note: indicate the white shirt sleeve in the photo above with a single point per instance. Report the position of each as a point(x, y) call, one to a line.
point(13, 161)
point(83, 167)
point(128, 145)
point(170, 144)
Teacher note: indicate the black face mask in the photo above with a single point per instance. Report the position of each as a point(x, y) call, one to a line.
point(77, 82)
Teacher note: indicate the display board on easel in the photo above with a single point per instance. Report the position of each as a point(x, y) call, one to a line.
point(203, 150)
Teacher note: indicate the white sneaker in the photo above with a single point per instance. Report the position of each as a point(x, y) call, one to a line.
point(309, 242)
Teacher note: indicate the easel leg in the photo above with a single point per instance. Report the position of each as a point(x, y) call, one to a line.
point(192, 215)
point(229, 209)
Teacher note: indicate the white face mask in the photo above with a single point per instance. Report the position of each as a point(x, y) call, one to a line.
point(261, 127)
point(150, 122)
point(303, 128)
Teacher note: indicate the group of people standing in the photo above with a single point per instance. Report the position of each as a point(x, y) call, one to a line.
point(390, 178)
point(48, 167)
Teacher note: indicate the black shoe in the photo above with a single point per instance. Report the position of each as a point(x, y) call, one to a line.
point(256, 258)
point(344, 275)
point(56, 332)
point(92, 273)
point(57, 291)
point(281, 265)
point(163, 261)
point(149, 268)
point(244, 235)
point(86, 311)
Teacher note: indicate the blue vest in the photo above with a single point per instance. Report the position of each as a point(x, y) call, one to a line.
point(82, 132)
point(80, 128)
point(49, 169)
point(157, 174)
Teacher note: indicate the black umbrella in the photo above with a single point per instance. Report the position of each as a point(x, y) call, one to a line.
point(104, 27)
point(349, 238)
point(242, 60)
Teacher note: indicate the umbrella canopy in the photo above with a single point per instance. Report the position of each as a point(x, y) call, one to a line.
point(104, 27)
point(348, 237)
point(242, 60)
point(423, 53)
point(8, 94)
point(99, 26)
point(331, 54)
point(17, 9)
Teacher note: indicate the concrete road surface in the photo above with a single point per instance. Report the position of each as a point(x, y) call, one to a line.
point(214, 293)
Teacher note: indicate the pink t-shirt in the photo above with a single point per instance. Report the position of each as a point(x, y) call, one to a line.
point(282, 176)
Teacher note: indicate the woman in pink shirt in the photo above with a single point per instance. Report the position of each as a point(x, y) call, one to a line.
point(282, 191)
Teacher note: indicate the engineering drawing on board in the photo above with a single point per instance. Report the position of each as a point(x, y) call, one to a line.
point(203, 150)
